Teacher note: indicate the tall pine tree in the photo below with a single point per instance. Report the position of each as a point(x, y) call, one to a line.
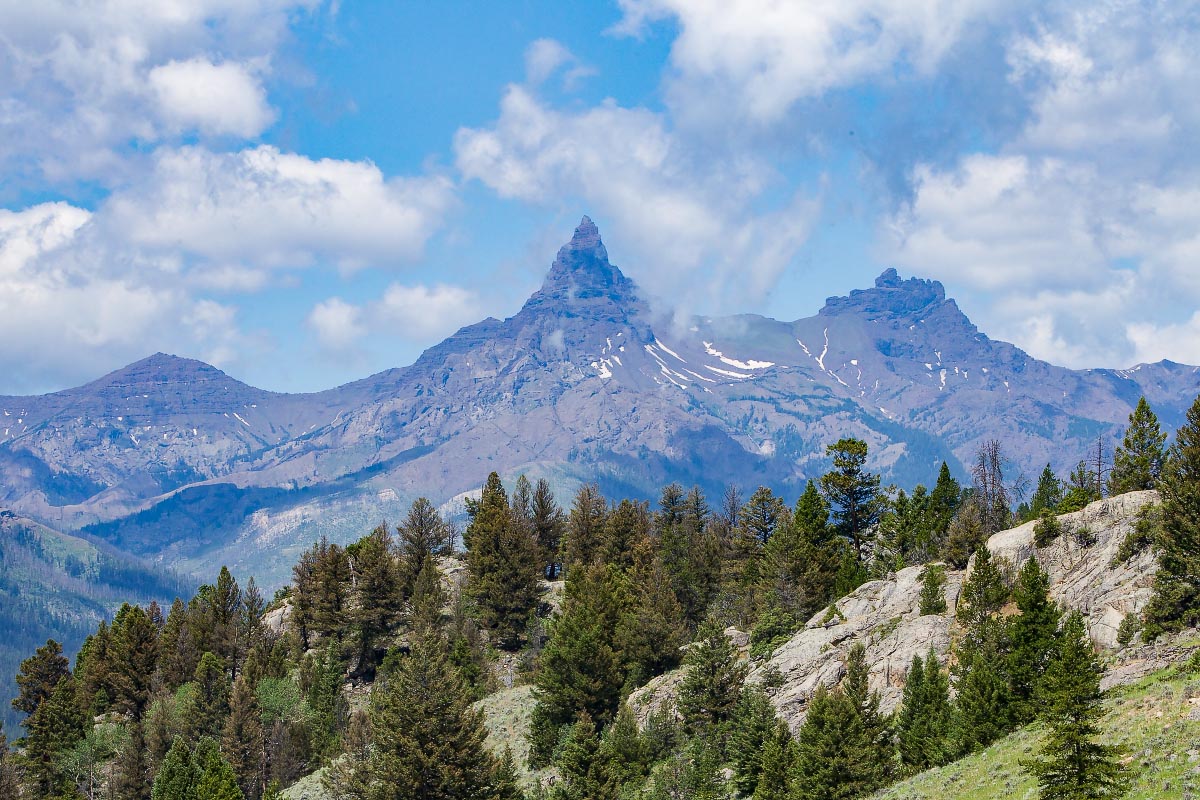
point(1176, 601)
point(427, 740)
point(1138, 462)
point(503, 563)
point(1031, 635)
point(1072, 764)
point(853, 493)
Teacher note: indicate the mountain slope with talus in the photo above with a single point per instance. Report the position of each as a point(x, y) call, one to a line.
point(172, 459)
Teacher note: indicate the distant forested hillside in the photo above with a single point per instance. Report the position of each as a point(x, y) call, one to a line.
point(55, 586)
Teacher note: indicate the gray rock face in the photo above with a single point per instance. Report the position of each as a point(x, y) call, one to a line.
point(174, 460)
point(884, 615)
point(1082, 576)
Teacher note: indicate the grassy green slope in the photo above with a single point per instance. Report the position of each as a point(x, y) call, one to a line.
point(1156, 721)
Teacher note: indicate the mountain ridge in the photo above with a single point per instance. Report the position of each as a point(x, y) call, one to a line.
point(584, 383)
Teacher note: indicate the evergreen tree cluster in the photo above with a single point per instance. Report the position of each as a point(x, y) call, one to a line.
point(207, 701)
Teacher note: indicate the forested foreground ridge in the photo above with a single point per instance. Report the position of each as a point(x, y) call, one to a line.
point(738, 647)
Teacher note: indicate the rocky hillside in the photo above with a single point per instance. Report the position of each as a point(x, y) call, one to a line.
point(884, 615)
point(172, 459)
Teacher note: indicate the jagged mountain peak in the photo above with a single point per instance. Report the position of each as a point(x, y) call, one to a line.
point(587, 236)
point(891, 296)
point(581, 275)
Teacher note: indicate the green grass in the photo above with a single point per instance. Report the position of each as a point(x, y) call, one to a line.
point(1149, 720)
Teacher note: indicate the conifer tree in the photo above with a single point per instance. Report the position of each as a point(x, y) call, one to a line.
point(1138, 462)
point(54, 727)
point(933, 593)
point(579, 669)
point(651, 632)
point(506, 783)
point(754, 728)
point(215, 778)
point(324, 694)
point(133, 775)
point(422, 535)
point(242, 740)
point(134, 658)
point(817, 556)
point(923, 725)
point(762, 515)
point(690, 549)
point(1031, 635)
point(1082, 488)
point(1048, 494)
point(427, 739)
point(670, 508)
point(1073, 765)
point(322, 589)
point(852, 492)
point(965, 535)
point(304, 593)
point(778, 759)
point(378, 600)
point(177, 776)
point(580, 766)
point(983, 593)
point(428, 597)
point(1176, 601)
point(691, 775)
point(10, 785)
point(825, 765)
point(502, 559)
point(944, 501)
point(712, 683)
point(522, 499)
point(93, 668)
point(627, 525)
point(210, 702)
point(548, 524)
point(872, 752)
point(39, 676)
point(623, 755)
point(585, 528)
point(220, 610)
point(982, 702)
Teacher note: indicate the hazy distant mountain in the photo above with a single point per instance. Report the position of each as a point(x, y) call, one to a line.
point(172, 458)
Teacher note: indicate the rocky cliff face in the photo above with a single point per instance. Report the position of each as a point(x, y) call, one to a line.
point(884, 615)
point(173, 459)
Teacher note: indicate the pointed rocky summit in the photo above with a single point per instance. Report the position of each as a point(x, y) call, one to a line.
point(581, 274)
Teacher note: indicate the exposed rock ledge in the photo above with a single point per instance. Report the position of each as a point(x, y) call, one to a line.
point(884, 614)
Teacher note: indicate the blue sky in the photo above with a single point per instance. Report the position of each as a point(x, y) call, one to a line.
point(304, 192)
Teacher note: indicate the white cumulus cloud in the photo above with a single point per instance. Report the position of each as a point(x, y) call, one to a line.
point(407, 313)
point(752, 59)
point(60, 318)
point(85, 86)
point(214, 98)
point(1080, 237)
point(265, 208)
point(683, 212)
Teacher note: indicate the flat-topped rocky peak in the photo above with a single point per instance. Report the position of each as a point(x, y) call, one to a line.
point(891, 296)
